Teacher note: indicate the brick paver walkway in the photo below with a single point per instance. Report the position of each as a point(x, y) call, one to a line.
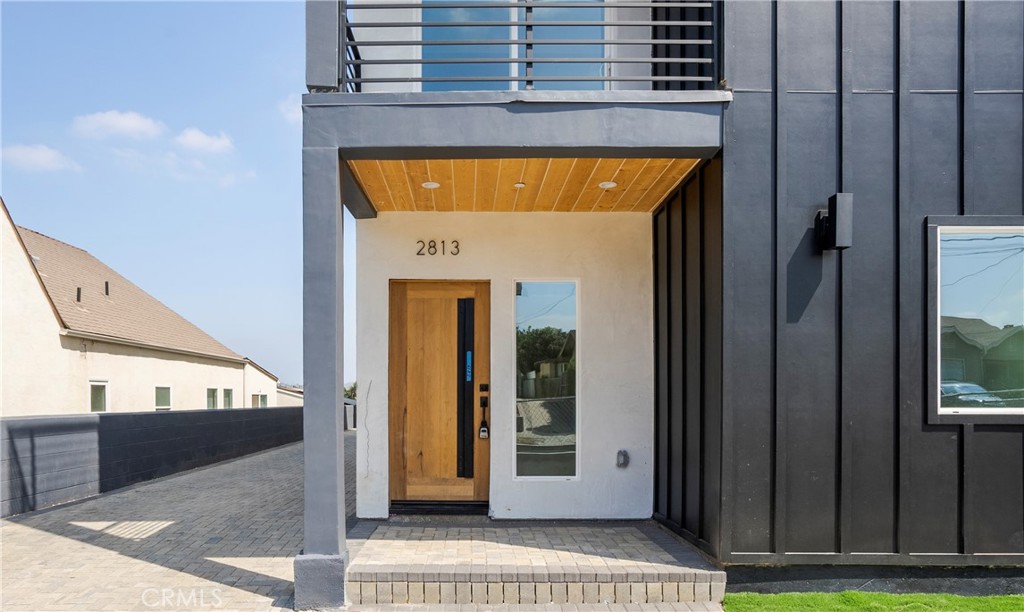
point(219, 538)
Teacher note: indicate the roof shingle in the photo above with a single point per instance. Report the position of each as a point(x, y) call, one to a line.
point(128, 313)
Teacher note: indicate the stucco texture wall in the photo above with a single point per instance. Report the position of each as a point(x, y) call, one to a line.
point(610, 257)
point(43, 372)
point(37, 374)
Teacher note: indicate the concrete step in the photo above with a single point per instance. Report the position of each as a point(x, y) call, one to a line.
point(515, 563)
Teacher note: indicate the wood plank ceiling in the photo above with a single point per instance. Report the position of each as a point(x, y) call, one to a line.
point(520, 185)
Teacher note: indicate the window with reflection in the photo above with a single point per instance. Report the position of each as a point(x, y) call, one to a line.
point(472, 46)
point(546, 367)
point(981, 320)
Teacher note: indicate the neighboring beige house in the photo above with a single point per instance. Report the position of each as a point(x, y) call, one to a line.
point(76, 336)
point(288, 395)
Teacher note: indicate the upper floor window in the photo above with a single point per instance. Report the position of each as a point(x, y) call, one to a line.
point(211, 399)
point(979, 290)
point(229, 398)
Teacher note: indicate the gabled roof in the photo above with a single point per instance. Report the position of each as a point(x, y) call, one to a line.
point(978, 332)
point(128, 314)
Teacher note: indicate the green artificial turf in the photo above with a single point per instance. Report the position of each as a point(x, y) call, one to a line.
point(857, 600)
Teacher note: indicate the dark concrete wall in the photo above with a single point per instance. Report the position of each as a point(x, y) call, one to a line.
point(915, 108)
point(51, 460)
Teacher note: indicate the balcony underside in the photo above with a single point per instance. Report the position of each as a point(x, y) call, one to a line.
point(560, 146)
point(520, 184)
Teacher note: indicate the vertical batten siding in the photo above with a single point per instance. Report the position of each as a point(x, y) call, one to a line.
point(807, 351)
point(868, 377)
point(915, 108)
point(993, 107)
point(749, 283)
point(688, 346)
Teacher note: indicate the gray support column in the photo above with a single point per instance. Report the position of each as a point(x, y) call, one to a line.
point(323, 42)
point(320, 568)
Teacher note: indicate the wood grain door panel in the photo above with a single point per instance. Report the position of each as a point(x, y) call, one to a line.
point(424, 380)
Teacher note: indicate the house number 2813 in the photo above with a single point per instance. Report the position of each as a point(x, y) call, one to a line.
point(437, 247)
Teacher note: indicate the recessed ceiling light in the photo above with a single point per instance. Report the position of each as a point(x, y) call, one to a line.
point(430, 185)
point(519, 185)
point(608, 185)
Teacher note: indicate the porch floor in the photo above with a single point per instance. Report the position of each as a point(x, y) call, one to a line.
point(474, 560)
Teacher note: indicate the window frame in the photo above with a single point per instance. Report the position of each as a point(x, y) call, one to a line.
point(933, 340)
point(106, 387)
point(229, 399)
point(579, 391)
point(170, 397)
point(210, 397)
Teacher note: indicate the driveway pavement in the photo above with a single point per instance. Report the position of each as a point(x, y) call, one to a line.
point(221, 537)
point(217, 538)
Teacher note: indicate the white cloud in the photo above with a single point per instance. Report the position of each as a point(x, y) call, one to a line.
point(195, 139)
point(117, 124)
point(291, 109)
point(38, 158)
point(231, 178)
point(183, 168)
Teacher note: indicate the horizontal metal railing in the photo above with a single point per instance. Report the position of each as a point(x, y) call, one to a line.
point(589, 43)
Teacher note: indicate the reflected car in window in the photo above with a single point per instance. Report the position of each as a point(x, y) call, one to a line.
point(968, 395)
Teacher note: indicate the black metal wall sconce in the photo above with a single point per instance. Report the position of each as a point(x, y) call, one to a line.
point(833, 227)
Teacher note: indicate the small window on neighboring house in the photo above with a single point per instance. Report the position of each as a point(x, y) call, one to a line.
point(98, 396)
point(163, 398)
point(259, 401)
point(211, 399)
point(263, 401)
point(229, 398)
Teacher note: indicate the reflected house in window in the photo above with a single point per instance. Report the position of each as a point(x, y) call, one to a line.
point(974, 351)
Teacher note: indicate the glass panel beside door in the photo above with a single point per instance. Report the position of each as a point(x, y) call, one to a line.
point(546, 415)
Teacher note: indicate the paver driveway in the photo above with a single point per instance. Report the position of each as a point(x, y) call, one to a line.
point(221, 537)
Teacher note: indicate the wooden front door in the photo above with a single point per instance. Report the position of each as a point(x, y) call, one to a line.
point(438, 388)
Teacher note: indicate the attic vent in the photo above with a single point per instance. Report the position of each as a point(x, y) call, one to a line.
point(106, 287)
point(35, 258)
point(78, 295)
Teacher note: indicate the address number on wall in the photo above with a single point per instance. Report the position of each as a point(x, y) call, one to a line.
point(437, 247)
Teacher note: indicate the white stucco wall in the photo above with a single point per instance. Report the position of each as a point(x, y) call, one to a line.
point(288, 398)
point(43, 372)
point(609, 255)
point(36, 373)
point(258, 383)
point(133, 373)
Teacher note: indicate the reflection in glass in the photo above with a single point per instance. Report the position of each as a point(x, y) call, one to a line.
point(493, 60)
point(546, 379)
point(472, 54)
point(981, 307)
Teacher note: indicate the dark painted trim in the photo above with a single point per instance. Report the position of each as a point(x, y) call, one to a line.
point(932, 224)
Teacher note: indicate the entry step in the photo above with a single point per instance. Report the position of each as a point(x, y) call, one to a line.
point(483, 562)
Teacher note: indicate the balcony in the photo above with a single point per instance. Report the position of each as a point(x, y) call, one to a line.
point(483, 96)
point(518, 45)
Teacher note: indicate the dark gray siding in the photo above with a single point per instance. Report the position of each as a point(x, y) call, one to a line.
point(688, 341)
point(52, 460)
point(915, 108)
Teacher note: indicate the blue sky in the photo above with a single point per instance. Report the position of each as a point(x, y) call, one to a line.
point(165, 139)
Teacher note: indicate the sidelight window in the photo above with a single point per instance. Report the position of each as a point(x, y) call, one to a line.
point(546, 414)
